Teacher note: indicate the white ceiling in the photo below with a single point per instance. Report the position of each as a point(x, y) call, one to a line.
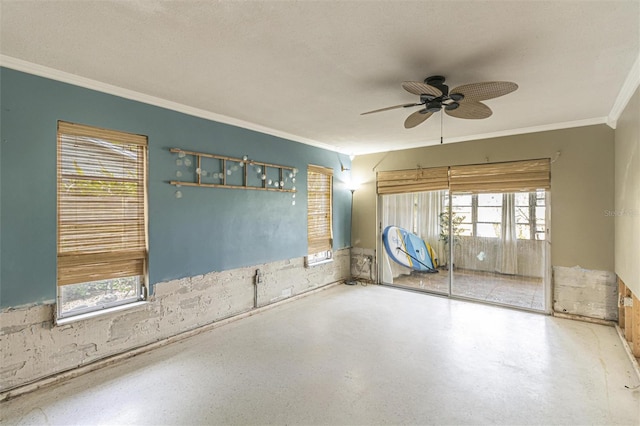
point(306, 70)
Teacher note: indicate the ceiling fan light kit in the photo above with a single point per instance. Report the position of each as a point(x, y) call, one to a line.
point(463, 101)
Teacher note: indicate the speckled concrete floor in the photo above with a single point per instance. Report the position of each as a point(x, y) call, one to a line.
point(360, 355)
point(521, 292)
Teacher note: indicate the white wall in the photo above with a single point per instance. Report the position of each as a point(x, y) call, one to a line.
point(627, 195)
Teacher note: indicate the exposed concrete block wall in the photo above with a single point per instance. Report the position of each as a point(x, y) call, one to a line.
point(363, 264)
point(584, 292)
point(32, 347)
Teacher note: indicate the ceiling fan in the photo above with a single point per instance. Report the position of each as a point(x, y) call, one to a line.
point(461, 102)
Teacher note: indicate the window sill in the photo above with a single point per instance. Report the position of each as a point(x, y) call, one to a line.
point(319, 262)
point(101, 312)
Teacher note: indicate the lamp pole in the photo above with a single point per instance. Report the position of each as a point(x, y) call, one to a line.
point(351, 281)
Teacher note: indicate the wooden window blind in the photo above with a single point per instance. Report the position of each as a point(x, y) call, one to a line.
point(418, 180)
point(513, 176)
point(101, 204)
point(319, 209)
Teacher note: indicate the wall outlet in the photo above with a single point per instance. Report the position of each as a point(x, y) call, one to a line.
point(287, 292)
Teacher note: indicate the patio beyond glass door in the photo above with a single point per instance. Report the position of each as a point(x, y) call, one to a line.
point(499, 248)
point(490, 247)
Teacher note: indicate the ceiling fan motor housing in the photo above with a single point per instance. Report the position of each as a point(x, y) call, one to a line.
point(433, 104)
point(437, 81)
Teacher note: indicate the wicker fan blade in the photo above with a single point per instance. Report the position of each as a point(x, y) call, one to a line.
point(388, 108)
point(421, 89)
point(416, 118)
point(470, 110)
point(483, 91)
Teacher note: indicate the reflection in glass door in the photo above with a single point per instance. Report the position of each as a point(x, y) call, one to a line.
point(499, 247)
point(419, 265)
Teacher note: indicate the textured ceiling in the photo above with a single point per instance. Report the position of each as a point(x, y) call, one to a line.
point(306, 70)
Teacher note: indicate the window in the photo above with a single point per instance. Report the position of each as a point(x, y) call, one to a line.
point(530, 215)
point(480, 215)
point(463, 213)
point(489, 215)
point(319, 214)
point(477, 215)
point(102, 243)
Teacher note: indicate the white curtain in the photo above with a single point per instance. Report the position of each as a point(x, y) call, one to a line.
point(507, 259)
point(429, 209)
point(397, 210)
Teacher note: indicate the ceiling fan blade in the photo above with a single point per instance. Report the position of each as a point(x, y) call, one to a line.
point(483, 91)
point(421, 88)
point(470, 110)
point(416, 118)
point(391, 107)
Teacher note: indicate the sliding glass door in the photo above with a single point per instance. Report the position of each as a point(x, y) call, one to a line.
point(477, 231)
point(490, 247)
point(499, 248)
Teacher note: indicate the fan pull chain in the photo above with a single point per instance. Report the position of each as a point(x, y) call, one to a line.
point(441, 117)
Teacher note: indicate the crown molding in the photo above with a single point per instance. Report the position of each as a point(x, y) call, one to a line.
point(626, 92)
point(631, 83)
point(499, 134)
point(87, 83)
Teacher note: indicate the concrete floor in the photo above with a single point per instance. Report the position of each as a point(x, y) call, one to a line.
point(521, 292)
point(360, 355)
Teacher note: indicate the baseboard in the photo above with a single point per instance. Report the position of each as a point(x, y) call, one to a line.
point(627, 349)
point(584, 318)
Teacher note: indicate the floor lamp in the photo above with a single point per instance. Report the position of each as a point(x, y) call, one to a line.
point(351, 281)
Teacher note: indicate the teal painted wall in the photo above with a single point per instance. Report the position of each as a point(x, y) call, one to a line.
point(206, 230)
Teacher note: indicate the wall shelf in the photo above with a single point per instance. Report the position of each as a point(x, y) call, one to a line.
point(218, 171)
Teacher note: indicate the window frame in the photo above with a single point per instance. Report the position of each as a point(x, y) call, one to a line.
point(85, 255)
point(477, 205)
point(533, 197)
point(325, 254)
